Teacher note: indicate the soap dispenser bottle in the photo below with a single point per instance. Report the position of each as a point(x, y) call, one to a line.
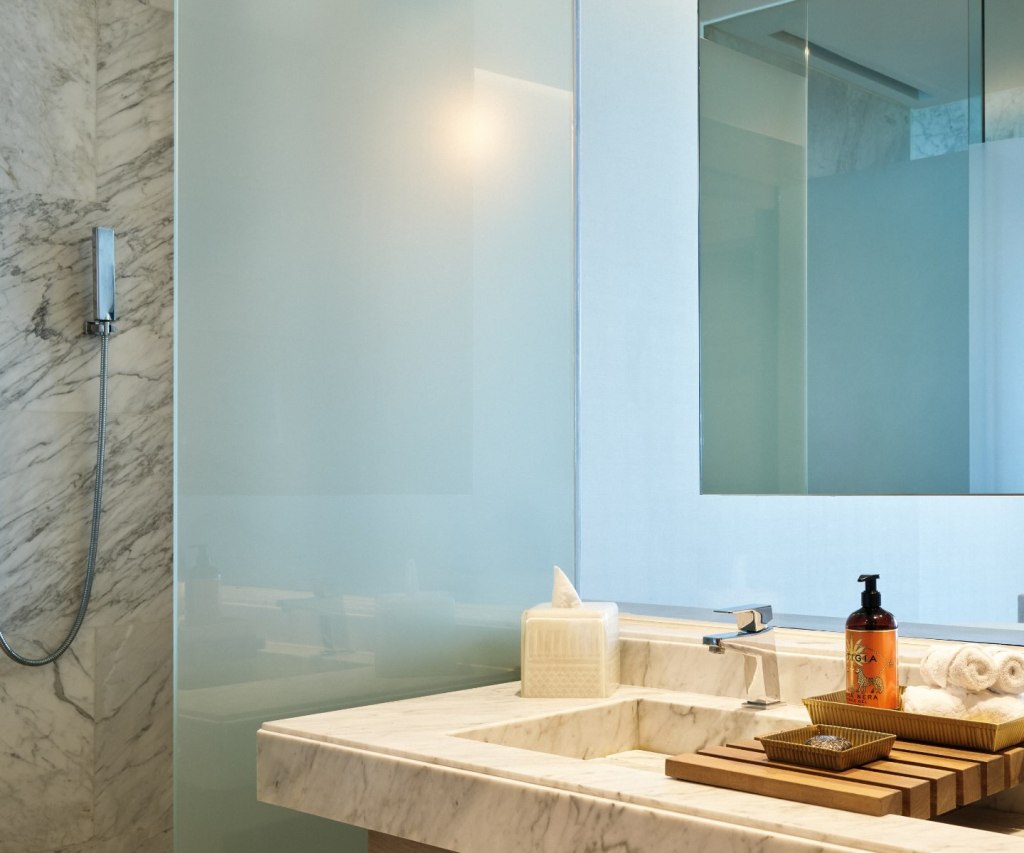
point(872, 675)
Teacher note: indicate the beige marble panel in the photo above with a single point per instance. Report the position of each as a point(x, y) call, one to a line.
point(46, 740)
point(1004, 114)
point(135, 577)
point(85, 90)
point(46, 462)
point(141, 351)
point(46, 470)
point(851, 129)
point(45, 294)
point(133, 731)
point(132, 842)
point(47, 97)
point(134, 102)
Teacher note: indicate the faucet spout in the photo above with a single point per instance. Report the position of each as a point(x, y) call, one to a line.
point(716, 642)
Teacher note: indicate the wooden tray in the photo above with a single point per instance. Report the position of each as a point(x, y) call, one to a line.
point(916, 780)
point(831, 709)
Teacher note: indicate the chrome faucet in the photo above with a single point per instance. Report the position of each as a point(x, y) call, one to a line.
point(761, 666)
point(750, 619)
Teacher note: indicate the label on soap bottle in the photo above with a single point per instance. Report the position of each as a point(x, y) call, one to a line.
point(872, 677)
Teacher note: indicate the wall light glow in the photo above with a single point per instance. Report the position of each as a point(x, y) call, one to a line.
point(474, 131)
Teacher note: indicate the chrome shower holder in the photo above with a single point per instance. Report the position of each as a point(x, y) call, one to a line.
point(99, 328)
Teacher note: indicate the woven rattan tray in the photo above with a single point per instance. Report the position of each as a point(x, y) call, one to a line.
point(789, 746)
point(831, 709)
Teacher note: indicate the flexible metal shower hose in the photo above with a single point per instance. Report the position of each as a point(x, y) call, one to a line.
point(94, 536)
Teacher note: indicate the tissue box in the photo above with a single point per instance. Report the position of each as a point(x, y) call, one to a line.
point(571, 652)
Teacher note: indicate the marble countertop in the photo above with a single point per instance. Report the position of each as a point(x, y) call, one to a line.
point(423, 769)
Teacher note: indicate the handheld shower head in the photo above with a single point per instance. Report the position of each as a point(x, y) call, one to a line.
point(103, 277)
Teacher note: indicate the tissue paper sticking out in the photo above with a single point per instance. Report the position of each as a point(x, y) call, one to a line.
point(563, 593)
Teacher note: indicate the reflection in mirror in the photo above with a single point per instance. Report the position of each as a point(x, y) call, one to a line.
point(858, 247)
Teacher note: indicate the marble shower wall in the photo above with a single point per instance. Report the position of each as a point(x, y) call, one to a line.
point(1004, 114)
point(850, 129)
point(85, 140)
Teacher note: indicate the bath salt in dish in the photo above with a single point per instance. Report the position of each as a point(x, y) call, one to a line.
point(833, 742)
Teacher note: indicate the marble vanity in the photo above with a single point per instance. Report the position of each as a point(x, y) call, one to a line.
point(486, 770)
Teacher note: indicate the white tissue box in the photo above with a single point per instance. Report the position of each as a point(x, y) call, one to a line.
point(571, 652)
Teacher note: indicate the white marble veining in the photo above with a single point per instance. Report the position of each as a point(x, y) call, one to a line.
point(47, 97)
point(46, 741)
point(938, 129)
point(850, 129)
point(41, 521)
point(486, 769)
point(135, 842)
point(133, 100)
point(85, 94)
point(1004, 114)
point(943, 128)
point(476, 813)
point(44, 289)
point(657, 723)
point(131, 741)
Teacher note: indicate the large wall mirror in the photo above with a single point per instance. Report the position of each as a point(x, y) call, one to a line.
point(647, 533)
point(861, 264)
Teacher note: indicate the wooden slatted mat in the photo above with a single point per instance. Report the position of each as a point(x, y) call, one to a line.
point(916, 780)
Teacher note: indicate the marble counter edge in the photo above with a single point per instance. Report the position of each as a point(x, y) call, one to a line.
point(464, 811)
point(425, 730)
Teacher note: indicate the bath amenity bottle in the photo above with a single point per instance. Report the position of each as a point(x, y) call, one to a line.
point(872, 676)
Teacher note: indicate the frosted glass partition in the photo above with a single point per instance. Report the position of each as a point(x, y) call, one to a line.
point(375, 368)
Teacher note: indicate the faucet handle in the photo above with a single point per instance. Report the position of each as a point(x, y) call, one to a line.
point(750, 618)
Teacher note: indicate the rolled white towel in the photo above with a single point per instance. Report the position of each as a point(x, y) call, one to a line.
point(972, 669)
point(936, 701)
point(935, 664)
point(1009, 670)
point(988, 707)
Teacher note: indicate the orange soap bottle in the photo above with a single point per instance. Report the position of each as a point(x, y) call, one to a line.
point(872, 675)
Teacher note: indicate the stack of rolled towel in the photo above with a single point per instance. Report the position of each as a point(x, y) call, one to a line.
point(969, 682)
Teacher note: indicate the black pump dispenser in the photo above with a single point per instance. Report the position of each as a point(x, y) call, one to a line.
point(871, 597)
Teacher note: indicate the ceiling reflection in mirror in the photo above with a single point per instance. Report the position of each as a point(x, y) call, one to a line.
point(861, 271)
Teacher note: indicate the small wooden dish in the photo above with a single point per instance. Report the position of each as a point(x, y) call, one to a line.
point(789, 747)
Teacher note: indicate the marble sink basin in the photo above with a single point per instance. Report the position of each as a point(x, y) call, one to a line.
point(644, 725)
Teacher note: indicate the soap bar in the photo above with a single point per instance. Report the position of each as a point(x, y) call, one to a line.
point(570, 652)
